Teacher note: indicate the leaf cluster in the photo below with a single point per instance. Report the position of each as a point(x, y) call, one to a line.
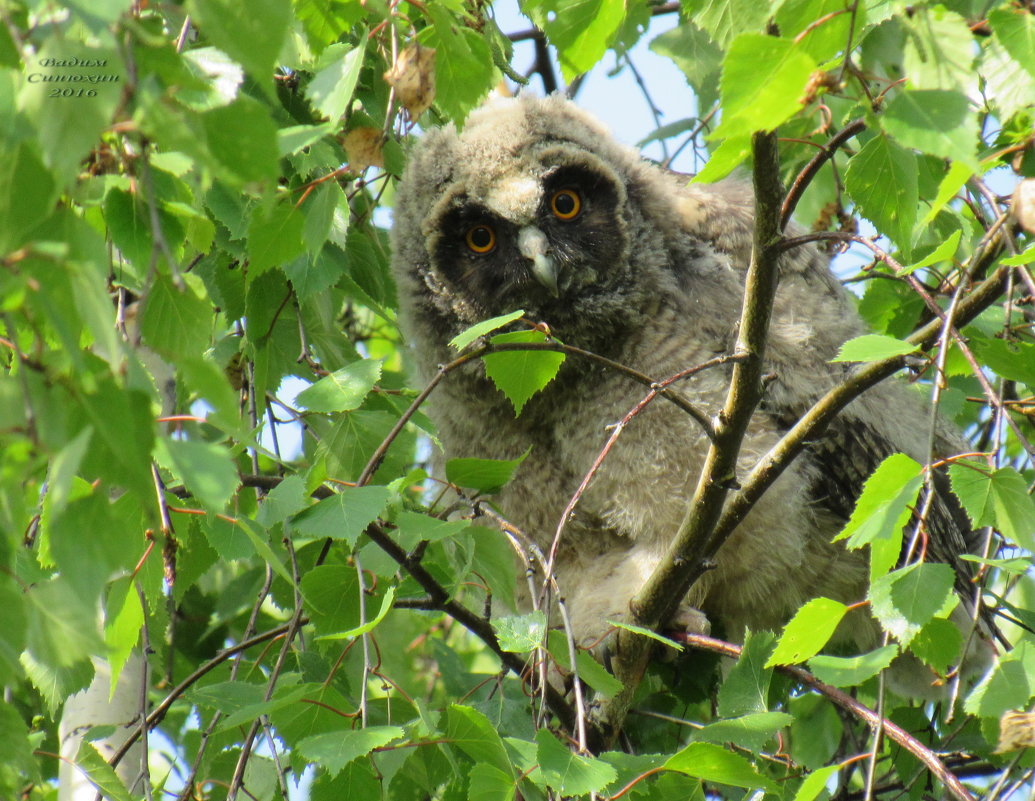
point(216, 471)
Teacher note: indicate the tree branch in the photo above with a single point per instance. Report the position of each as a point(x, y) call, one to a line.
point(801, 183)
point(895, 733)
point(695, 543)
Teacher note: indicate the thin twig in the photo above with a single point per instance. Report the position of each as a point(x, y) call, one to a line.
point(858, 710)
point(810, 170)
point(160, 711)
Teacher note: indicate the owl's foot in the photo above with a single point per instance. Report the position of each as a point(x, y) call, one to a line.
point(688, 620)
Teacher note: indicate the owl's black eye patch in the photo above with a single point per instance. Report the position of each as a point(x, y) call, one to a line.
point(574, 190)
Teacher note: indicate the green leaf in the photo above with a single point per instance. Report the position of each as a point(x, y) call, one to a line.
point(129, 227)
point(998, 499)
point(520, 633)
point(14, 743)
point(176, 323)
point(219, 79)
point(494, 562)
point(808, 631)
point(568, 773)
point(473, 733)
point(581, 30)
point(746, 688)
point(123, 619)
point(352, 440)
point(285, 499)
point(939, 50)
point(466, 337)
point(883, 509)
point(934, 121)
point(88, 563)
point(1015, 30)
point(413, 528)
point(483, 475)
point(54, 682)
point(67, 129)
point(1009, 685)
point(62, 630)
point(123, 433)
point(724, 159)
point(906, 600)
point(752, 730)
point(645, 632)
point(1010, 359)
point(298, 137)
point(274, 238)
point(881, 179)
point(818, 26)
point(344, 389)
point(590, 670)
point(725, 19)
point(331, 89)
point(370, 625)
point(488, 783)
point(319, 209)
point(334, 750)
point(815, 783)
point(956, 176)
point(228, 696)
point(943, 252)
point(938, 644)
point(464, 71)
point(243, 140)
point(343, 516)
point(27, 194)
point(851, 671)
point(205, 468)
point(332, 597)
point(521, 374)
point(249, 31)
point(762, 85)
point(714, 764)
point(1016, 567)
point(872, 348)
point(696, 54)
point(259, 539)
point(100, 773)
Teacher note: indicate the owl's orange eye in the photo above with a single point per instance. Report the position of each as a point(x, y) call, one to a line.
point(481, 238)
point(566, 204)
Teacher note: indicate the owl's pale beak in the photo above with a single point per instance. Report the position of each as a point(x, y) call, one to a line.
point(533, 245)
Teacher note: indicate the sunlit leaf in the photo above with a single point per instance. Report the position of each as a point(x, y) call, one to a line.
point(808, 631)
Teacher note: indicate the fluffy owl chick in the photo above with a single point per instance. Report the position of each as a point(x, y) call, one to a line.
point(534, 206)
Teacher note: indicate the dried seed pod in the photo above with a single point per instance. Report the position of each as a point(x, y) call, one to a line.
point(363, 148)
point(413, 78)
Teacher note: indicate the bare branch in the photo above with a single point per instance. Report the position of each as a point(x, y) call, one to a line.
point(801, 183)
point(695, 542)
point(858, 710)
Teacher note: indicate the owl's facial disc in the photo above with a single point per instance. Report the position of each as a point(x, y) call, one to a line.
point(533, 244)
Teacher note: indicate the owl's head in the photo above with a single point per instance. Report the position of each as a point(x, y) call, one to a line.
point(532, 205)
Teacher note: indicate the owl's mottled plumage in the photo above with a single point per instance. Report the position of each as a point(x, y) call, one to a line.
point(649, 273)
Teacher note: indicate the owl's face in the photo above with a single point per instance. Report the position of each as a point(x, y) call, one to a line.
point(524, 208)
point(540, 237)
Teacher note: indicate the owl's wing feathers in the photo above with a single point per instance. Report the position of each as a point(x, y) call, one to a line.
point(848, 453)
point(854, 444)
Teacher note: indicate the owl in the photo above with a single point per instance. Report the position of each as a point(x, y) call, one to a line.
point(534, 206)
